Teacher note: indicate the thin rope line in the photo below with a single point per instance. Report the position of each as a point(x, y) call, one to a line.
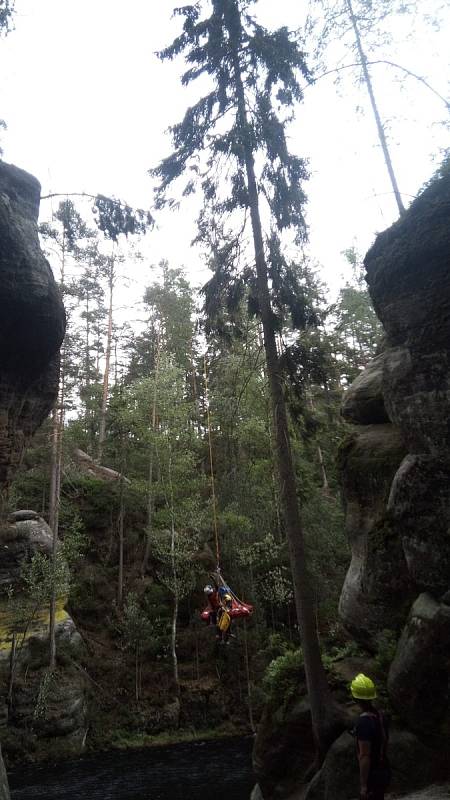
point(213, 490)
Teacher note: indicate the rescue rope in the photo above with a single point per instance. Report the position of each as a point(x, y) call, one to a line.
point(218, 574)
point(211, 463)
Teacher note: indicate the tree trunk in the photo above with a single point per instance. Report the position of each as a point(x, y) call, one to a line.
point(173, 642)
point(148, 542)
point(55, 479)
point(53, 523)
point(247, 675)
point(174, 580)
point(87, 380)
point(102, 427)
point(318, 690)
point(121, 541)
point(12, 669)
point(325, 484)
point(379, 124)
point(137, 673)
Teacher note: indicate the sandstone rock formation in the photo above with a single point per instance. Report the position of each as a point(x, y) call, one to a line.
point(400, 570)
point(32, 319)
point(32, 323)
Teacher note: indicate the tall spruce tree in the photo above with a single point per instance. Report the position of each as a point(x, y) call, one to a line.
point(254, 75)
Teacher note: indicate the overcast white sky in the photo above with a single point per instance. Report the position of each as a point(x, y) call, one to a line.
point(87, 104)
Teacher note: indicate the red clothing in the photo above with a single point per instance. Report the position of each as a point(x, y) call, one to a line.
point(213, 601)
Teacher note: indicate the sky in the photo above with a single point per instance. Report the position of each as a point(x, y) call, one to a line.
point(88, 104)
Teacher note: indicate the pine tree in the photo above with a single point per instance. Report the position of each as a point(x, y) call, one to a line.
point(7, 11)
point(252, 70)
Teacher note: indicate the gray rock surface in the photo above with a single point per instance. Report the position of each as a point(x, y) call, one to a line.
point(419, 504)
point(418, 680)
point(32, 324)
point(4, 789)
point(64, 713)
point(413, 764)
point(363, 402)
point(284, 747)
point(32, 319)
point(19, 542)
point(398, 514)
point(435, 792)
point(407, 526)
point(377, 584)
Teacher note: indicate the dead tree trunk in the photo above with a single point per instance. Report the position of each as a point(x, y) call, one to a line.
point(378, 122)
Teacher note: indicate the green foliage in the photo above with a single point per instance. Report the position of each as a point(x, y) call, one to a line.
point(283, 677)
point(46, 686)
point(338, 652)
point(41, 577)
point(386, 649)
point(7, 10)
point(137, 627)
point(115, 218)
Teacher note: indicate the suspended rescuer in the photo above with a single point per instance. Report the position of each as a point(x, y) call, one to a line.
point(224, 618)
point(213, 603)
point(371, 734)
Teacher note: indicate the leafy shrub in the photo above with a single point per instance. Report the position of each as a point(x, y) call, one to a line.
point(387, 646)
point(283, 676)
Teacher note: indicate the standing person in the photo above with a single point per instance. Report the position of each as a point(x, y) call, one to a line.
point(371, 741)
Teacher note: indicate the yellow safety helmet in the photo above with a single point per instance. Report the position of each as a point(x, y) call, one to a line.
point(363, 688)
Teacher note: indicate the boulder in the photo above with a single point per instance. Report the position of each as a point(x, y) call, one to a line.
point(88, 466)
point(418, 681)
point(63, 700)
point(363, 402)
point(50, 710)
point(32, 321)
point(284, 748)
point(19, 542)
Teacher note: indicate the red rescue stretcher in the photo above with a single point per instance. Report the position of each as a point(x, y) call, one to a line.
point(238, 610)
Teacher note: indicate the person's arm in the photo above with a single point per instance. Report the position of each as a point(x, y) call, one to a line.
point(364, 766)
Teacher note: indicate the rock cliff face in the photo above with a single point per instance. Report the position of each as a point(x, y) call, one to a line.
point(396, 470)
point(32, 319)
point(32, 324)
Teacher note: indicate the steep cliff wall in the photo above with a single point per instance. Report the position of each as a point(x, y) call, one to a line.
point(398, 505)
point(32, 324)
point(32, 319)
